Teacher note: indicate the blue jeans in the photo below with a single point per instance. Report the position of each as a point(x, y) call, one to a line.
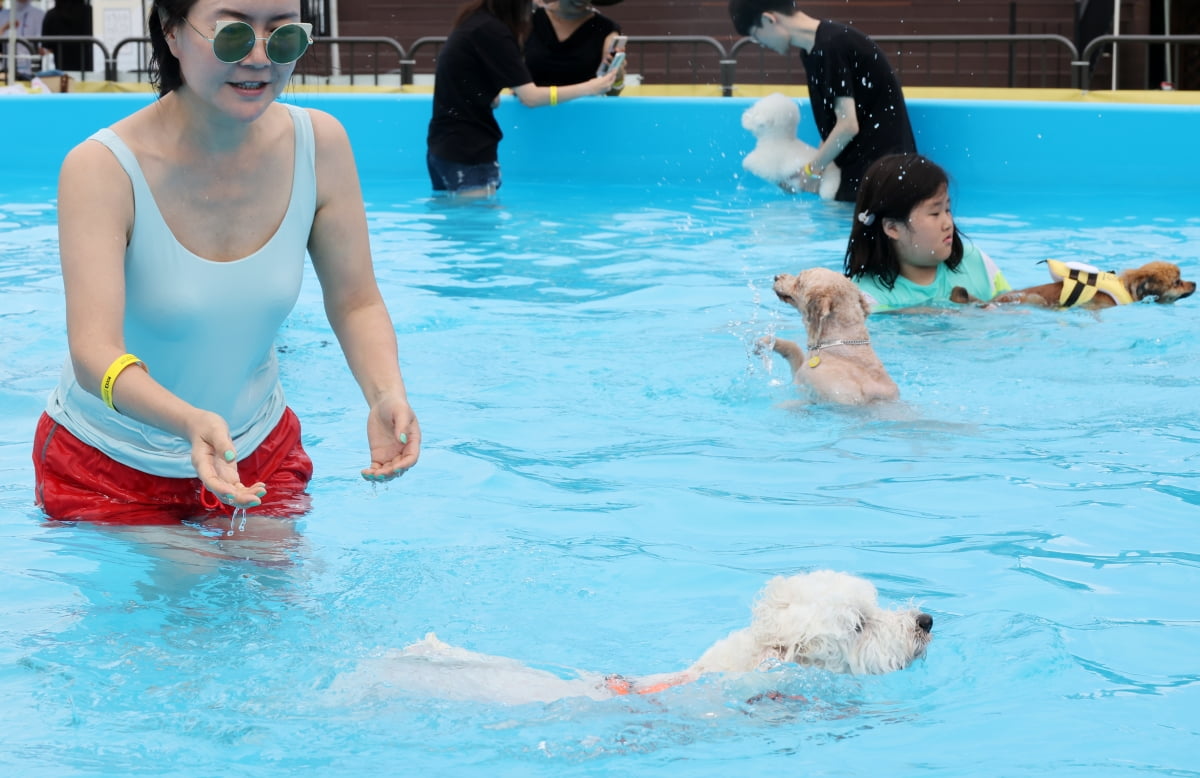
point(450, 176)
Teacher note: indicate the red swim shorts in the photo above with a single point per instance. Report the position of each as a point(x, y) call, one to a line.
point(76, 482)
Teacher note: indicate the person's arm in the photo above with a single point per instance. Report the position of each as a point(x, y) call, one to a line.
point(341, 254)
point(533, 96)
point(808, 178)
point(844, 130)
point(95, 218)
point(606, 56)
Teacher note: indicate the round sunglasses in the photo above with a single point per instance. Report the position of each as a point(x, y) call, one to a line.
point(233, 41)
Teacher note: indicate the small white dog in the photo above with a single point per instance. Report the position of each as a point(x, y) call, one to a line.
point(840, 366)
point(823, 619)
point(780, 154)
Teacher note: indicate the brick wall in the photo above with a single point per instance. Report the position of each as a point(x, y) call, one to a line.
point(941, 65)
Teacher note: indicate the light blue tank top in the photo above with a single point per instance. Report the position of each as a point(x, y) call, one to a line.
point(206, 330)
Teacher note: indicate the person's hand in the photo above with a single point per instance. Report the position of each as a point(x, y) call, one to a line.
point(604, 84)
point(215, 461)
point(394, 436)
point(801, 182)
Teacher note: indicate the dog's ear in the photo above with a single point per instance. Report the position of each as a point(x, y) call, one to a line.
point(817, 308)
point(1145, 282)
point(865, 303)
point(752, 120)
point(1152, 280)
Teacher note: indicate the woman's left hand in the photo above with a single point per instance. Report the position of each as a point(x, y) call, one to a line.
point(394, 436)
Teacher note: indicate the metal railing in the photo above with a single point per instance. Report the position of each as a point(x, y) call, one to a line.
point(638, 46)
point(1010, 45)
point(348, 58)
point(1083, 65)
point(68, 41)
point(377, 60)
point(352, 58)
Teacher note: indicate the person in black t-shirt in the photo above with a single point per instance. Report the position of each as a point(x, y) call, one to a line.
point(69, 17)
point(481, 57)
point(570, 41)
point(856, 99)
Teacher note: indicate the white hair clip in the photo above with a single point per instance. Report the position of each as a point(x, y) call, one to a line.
point(866, 219)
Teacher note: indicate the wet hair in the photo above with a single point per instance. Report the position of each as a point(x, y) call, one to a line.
point(747, 14)
point(517, 15)
point(165, 73)
point(891, 188)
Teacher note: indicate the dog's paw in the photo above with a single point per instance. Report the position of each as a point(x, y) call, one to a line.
point(764, 344)
point(960, 295)
point(775, 696)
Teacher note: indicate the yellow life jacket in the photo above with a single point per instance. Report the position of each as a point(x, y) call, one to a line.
point(1081, 282)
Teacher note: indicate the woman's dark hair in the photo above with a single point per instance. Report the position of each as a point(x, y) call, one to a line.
point(891, 188)
point(515, 14)
point(165, 74)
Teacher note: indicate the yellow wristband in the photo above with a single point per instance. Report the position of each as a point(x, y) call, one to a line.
point(110, 376)
point(553, 95)
point(808, 171)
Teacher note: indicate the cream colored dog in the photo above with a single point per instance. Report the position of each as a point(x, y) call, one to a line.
point(780, 155)
point(840, 366)
point(823, 619)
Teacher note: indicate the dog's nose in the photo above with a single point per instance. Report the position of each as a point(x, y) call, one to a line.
point(925, 622)
point(778, 276)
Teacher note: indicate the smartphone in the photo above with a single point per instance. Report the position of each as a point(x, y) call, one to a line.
point(618, 52)
point(617, 60)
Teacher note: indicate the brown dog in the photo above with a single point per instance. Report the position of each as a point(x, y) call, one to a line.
point(1158, 280)
point(841, 365)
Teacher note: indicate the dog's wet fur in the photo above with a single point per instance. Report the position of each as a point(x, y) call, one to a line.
point(1159, 281)
point(833, 309)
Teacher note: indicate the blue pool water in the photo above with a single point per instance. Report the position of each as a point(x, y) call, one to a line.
point(610, 474)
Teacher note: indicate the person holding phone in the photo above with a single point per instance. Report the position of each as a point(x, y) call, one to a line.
point(481, 57)
point(571, 41)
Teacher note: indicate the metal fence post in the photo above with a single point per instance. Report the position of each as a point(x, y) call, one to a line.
point(728, 74)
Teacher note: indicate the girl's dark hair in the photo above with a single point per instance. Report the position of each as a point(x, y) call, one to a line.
point(517, 15)
point(165, 74)
point(891, 188)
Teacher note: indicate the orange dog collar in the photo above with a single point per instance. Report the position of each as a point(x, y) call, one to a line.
point(621, 686)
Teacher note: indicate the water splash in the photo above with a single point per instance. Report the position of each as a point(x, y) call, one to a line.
point(234, 524)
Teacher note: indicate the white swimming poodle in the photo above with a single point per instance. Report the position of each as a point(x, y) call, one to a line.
point(823, 619)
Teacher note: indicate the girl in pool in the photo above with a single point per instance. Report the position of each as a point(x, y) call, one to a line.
point(905, 251)
point(481, 57)
point(183, 230)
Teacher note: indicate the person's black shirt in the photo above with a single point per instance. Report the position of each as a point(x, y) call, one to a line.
point(69, 17)
point(846, 63)
point(480, 58)
point(555, 62)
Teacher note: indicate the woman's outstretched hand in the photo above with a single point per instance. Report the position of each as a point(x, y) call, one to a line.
point(394, 436)
point(215, 461)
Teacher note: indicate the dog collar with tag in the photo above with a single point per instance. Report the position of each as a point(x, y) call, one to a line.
point(815, 359)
